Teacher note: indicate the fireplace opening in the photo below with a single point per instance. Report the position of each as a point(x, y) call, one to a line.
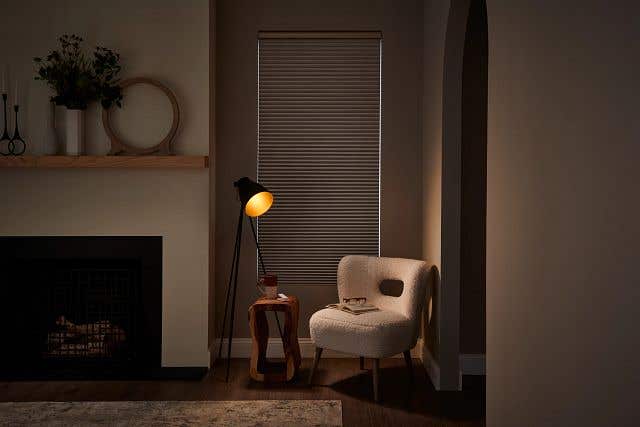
point(91, 312)
point(81, 307)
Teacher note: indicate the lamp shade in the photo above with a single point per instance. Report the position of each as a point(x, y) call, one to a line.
point(255, 199)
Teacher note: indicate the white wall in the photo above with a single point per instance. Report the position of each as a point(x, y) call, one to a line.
point(165, 39)
point(563, 237)
point(435, 26)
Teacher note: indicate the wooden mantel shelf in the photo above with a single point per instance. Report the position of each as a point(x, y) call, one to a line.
point(109, 162)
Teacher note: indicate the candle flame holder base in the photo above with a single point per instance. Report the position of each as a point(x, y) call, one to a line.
point(5, 139)
point(15, 145)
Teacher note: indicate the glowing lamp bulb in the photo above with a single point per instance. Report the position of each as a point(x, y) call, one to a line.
point(258, 204)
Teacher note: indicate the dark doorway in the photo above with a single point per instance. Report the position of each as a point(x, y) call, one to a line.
point(474, 182)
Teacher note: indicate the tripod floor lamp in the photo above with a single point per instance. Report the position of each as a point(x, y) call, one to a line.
point(255, 200)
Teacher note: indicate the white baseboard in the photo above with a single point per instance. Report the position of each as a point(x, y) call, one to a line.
point(472, 364)
point(431, 365)
point(241, 348)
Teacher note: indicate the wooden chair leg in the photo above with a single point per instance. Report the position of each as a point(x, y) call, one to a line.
point(408, 361)
point(376, 373)
point(316, 360)
point(361, 363)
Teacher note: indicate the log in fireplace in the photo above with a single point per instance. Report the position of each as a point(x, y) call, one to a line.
point(80, 307)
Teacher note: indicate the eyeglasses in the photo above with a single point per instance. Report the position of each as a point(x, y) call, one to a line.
point(356, 300)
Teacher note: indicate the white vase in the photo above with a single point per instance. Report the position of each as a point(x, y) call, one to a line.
point(70, 130)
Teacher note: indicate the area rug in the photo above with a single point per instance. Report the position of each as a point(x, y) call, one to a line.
point(279, 413)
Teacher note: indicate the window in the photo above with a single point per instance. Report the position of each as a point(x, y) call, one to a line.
point(319, 123)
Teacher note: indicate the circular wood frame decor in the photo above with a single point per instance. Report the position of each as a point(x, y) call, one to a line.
point(119, 146)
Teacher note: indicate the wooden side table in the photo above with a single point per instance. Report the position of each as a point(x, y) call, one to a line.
point(261, 369)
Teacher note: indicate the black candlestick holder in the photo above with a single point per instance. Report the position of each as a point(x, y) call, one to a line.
point(5, 140)
point(17, 145)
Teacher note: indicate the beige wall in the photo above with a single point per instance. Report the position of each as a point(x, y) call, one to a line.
point(168, 40)
point(238, 24)
point(562, 229)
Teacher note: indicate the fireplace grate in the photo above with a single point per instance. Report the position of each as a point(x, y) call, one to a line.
point(91, 312)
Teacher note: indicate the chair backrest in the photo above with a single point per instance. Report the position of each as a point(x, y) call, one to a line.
point(360, 276)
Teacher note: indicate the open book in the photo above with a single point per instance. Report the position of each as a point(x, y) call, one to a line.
point(354, 308)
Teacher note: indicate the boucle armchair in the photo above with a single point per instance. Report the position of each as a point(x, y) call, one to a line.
point(392, 330)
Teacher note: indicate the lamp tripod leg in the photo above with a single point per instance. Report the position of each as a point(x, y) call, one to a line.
point(275, 313)
point(264, 270)
point(226, 304)
point(235, 288)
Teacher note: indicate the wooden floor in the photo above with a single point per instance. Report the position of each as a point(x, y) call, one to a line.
point(339, 379)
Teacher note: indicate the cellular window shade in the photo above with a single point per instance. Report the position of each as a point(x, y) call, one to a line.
point(319, 118)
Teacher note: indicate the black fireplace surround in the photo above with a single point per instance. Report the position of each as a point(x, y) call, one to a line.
point(80, 307)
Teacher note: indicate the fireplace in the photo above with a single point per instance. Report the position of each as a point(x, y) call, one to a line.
point(81, 307)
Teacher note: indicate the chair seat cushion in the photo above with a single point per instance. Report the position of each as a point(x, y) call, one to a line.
point(374, 334)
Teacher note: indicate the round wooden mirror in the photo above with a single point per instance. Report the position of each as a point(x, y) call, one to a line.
point(120, 146)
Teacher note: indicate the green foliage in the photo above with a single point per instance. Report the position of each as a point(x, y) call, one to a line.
point(77, 79)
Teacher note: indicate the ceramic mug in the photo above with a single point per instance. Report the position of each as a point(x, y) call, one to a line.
point(268, 286)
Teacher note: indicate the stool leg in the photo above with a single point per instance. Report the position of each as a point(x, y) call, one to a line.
point(376, 374)
point(316, 360)
point(361, 363)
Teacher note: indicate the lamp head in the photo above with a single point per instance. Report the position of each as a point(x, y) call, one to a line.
point(256, 200)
